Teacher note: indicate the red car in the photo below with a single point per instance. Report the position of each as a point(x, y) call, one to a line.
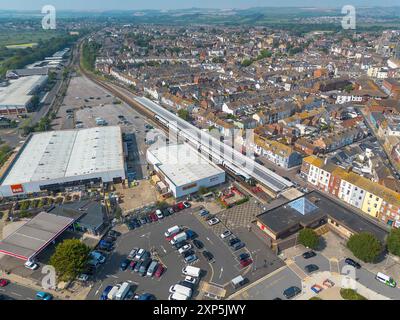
point(4, 282)
point(153, 217)
point(132, 264)
point(181, 206)
point(245, 263)
point(160, 270)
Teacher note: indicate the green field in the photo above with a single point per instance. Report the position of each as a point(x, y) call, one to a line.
point(13, 38)
point(22, 45)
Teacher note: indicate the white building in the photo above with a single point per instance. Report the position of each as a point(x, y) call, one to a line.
point(57, 159)
point(18, 95)
point(183, 170)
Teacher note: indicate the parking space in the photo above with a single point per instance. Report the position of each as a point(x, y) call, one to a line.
point(220, 270)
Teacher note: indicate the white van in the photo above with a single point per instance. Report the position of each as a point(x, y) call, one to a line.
point(385, 279)
point(181, 289)
point(111, 295)
point(191, 271)
point(172, 230)
point(177, 296)
point(123, 291)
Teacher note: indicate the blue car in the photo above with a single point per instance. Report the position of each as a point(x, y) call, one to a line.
point(105, 293)
point(41, 295)
point(146, 296)
point(124, 264)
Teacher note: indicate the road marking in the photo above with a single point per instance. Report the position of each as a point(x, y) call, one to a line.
point(111, 276)
point(210, 241)
point(162, 247)
point(16, 294)
point(222, 271)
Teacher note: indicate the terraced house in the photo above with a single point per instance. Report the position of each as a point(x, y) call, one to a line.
point(370, 197)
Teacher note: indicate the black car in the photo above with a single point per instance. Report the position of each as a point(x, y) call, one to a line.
point(291, 292)
point(165, 212)
point(233, 241)
point(114, 234)
point(148, 220)
point(353, 263)
point(311, 268)
point(309, 254)
point(188, 253)
point(198, 244)
point(244, 256)
point(208, 255)
point(109, 239)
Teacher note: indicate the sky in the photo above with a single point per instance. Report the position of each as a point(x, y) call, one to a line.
point(96, 5)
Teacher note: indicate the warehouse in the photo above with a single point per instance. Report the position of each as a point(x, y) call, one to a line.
point(18, 95)
point(183, 170)
point(55, 160)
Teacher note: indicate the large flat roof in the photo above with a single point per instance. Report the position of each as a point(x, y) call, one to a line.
point(62, 154)
point(35, 235)
point(182, 165)
point(18, 93)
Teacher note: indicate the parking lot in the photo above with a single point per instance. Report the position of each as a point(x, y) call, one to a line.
point(219, 271)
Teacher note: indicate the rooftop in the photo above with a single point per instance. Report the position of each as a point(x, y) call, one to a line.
point(182, 165)
point(62, 154)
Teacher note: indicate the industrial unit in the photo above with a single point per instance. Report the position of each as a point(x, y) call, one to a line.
point(17, 96)
point(184, 170)
point(55, 160)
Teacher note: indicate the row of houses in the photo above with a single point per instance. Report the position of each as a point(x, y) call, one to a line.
point(370, 197)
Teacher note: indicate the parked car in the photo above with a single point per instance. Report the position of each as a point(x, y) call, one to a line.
point(291, 292)
point(139, 254)
point(353, 263)
point(186, 204)
point(132, 254)
point(41, 295)
point(137, 266)
point(198, 244)
point(208, 255)
point(132, 265)
point(185, 248)
point(231, 242)
point(188, 285)
point(226, 234)
point(180, 244)
point(203, 212)
point(310, 268)
point(160, 270)
point(171, 210)
point(146, 297)
point(309, 254)
point(113, 233)
point(238, 245)
point(246, 262)
point(191, 258)
point(124, 264)
point(188, 253)
point(153, 217)
point(4, 282)
point(31, 265)
point(104, 295)
point(159, 214)
point(191, 280)
point(143, 221)
point(213, 221)
point(244, 256)
point(83, 277)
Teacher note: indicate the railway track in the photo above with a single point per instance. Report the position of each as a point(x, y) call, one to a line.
point(118, 92)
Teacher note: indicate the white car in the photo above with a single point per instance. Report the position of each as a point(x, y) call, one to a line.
point(159, 214)
point(191, 280)
point(185, 248)
point(31, 265)
point(83, 277)
point(139, 254)
point(213, 221)
point(225, 234)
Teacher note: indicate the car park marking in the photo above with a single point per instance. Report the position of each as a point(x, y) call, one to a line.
point(16, 294)
point(209, 240)
point(222, 271)
point(111, 276)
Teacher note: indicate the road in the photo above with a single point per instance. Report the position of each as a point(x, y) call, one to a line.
point(18, 292)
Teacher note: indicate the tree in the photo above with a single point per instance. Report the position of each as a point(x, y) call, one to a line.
point(184, 114)
point(70, 259)
point(393, 242)
point(365, 246)
point(308, 238)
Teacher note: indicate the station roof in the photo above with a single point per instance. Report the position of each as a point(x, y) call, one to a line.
point(35, 235)
point(182, 165)
point(64, 154)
